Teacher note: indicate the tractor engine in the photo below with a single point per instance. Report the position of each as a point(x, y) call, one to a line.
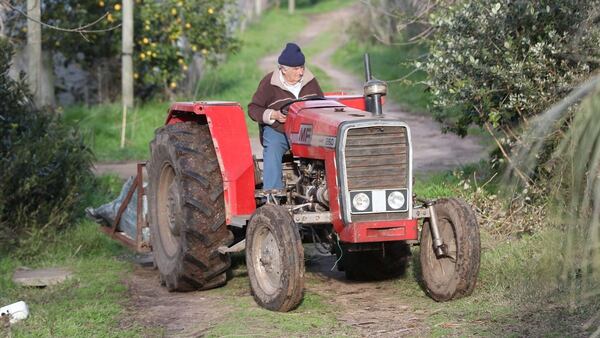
point(309, 186)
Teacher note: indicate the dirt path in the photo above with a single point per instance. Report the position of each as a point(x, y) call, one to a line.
point(433, 150)
point(170, 314)
point(370, 309)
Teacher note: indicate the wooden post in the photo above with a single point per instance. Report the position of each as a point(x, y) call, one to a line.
point(34, 48)
point(127, 64)
point(291, 6)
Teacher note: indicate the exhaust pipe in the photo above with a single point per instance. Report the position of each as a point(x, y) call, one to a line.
point(374, 90)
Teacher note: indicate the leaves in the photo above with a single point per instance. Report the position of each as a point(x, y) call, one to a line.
point(501, 62)
point(165, 31)
point(44, 164)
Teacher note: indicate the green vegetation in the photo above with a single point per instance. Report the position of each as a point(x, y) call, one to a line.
point(498, 63)
point(536, 278)
point(529, 284)
point(93, 300)
point(44, 165)
point(314, 317)
point(173, 32)
point(519, 292)
point(168, 36)
point(100, 127)
point(90, 302)
point(394, 64)
point(234, 80)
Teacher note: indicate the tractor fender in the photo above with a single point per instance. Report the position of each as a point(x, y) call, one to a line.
point(227, 125)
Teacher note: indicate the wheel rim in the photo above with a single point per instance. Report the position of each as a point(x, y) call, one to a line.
point(167, 226)
point(444, 268)
point(267, 261)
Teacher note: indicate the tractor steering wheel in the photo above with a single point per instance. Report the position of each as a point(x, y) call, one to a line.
point(284, 109)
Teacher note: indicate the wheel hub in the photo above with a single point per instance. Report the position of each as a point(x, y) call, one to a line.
point(172, 202)
point(269, 263)
point(167, 210)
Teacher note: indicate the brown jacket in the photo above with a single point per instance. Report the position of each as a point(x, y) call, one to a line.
point(271, 95)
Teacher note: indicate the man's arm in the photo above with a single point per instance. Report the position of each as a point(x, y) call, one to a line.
point(258, 108)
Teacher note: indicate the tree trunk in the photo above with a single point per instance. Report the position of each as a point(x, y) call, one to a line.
point(194, 76)
point(291, 6)
point(34, 49)
point(100, 79)
point(47, 80)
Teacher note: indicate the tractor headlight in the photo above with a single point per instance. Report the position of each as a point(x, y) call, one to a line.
point(396, 200)
point(361, 201)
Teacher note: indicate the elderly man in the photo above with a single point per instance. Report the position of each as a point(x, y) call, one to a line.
point(292, 80)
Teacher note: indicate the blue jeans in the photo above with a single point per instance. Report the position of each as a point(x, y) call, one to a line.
point(275, 145)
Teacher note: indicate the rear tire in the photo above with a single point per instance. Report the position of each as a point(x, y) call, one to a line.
point(453, 277)
point(388, 263)
point(187, 208)
point(275, 259)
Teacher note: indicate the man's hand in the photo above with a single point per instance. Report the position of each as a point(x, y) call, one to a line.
point(278, 116)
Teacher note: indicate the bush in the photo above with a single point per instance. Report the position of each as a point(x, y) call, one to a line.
point(44, 165)
point(498, 62)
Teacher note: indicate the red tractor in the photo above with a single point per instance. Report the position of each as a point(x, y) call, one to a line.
point(348, 185)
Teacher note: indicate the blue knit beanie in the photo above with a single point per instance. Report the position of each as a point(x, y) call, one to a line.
point(291, 56)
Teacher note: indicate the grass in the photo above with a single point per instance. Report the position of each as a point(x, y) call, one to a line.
point(518, 293)
point(522, 289)
point(234, 80)
point(392, 64)
point(92, 301)
point(314, 317)
point(529, 285)
point(101, 128)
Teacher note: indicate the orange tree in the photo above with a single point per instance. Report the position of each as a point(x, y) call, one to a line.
point(169, 34)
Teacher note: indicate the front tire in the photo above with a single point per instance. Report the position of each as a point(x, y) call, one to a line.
point(275, 259)
point(454, 276)
point(187, 208)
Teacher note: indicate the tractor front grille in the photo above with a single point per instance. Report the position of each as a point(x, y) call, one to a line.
point(377, 157)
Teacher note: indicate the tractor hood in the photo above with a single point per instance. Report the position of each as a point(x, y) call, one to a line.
point(317, 122)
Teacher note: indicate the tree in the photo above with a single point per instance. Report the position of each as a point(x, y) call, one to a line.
point(44, 164)
point(170, 34)
point(497, 63)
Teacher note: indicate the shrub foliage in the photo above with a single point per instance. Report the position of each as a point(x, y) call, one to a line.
point(44, 165)
point(498, 62)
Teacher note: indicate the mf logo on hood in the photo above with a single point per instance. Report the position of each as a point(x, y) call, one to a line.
point(305, 136)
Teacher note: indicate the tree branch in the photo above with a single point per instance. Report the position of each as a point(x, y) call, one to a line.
point(81, 29)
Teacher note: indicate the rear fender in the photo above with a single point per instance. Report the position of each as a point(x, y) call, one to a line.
point(227, 124)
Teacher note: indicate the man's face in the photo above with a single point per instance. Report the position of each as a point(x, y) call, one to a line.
point(292, 74)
